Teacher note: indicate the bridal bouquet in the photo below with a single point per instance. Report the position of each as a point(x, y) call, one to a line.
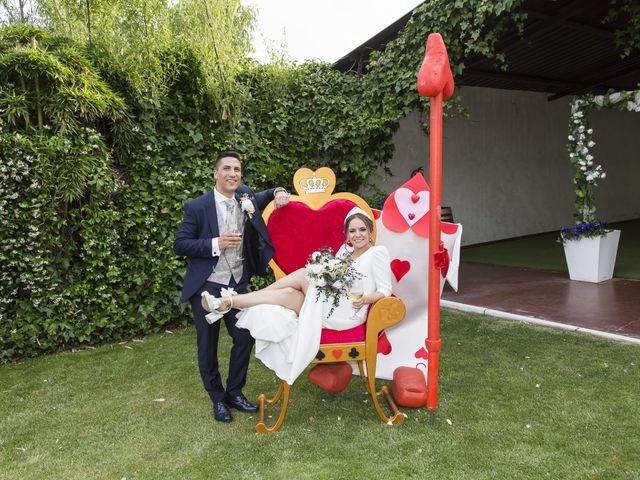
point(333, 277)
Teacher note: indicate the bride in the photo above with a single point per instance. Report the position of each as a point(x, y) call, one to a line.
point(286, 318)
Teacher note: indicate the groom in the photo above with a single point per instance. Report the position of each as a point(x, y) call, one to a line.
point(222, 258)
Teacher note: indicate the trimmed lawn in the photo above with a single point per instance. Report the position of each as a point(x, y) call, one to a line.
point(517, 402)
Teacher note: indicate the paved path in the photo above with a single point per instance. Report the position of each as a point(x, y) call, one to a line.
point(611, 308)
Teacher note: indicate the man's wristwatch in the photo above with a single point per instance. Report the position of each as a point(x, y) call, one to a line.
point(280, 189)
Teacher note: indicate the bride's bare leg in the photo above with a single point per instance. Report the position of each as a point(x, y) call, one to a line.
point(287, 297)
point(297, 280)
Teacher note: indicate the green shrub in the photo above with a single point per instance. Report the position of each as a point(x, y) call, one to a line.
point(100, 147)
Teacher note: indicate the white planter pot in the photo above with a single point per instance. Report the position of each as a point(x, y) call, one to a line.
point(592, 259)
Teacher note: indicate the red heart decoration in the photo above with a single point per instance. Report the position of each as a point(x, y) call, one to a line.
point(449, 228)
point(376, 213)
point(400, 268)
point(422, 353)
point(313, 229)
point(337, 353)
point(411, 216)
point(384, 346)
point(415, 198)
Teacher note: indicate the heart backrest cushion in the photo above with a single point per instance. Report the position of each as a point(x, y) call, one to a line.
point(298, 230)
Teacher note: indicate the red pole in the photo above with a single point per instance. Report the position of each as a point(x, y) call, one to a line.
point(433, 341)
point(435, 81)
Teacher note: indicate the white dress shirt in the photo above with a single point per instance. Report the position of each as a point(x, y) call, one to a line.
point(221, 206)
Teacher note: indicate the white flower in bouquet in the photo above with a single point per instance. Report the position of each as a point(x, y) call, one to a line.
point(332, 277)
point(334, 263)
point(316, 269)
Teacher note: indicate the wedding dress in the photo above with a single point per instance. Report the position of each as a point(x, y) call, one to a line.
point(286, 343)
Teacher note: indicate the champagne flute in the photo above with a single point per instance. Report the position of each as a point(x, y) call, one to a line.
point(232, 227)
point(357, 290)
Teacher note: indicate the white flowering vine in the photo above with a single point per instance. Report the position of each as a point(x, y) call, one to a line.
point(587, 171)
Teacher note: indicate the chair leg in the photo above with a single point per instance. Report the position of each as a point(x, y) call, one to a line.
point(263, 402)
point(398, 416)
point(364, 379)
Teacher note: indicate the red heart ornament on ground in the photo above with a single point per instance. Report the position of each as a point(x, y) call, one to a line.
point(422, 353)
point(400, 268)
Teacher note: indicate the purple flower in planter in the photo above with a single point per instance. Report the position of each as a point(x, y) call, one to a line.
point(583, 230)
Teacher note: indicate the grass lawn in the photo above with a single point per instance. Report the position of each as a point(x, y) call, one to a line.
point(523, 403)
point(541, 252)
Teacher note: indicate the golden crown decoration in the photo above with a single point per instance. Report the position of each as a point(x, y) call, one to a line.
point(315, 184)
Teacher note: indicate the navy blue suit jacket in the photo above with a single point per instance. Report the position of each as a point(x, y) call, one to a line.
point(200, 224)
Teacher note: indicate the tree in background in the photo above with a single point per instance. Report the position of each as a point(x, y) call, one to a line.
point(138, 33)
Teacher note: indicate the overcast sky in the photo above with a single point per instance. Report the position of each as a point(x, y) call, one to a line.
point(322, 29)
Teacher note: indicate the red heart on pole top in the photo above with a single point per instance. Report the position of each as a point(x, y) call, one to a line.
point(400, 268)
point(435, 74)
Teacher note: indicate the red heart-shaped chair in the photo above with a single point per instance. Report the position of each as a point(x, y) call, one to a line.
point(313, 219)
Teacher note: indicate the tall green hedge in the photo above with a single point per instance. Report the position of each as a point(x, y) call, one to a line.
point(88, 219)
point(94, 172)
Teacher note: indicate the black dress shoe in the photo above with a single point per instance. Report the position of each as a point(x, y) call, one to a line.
point(221, 413)
point(239, 402)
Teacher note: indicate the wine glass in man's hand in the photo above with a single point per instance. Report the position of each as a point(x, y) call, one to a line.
point(236, 242)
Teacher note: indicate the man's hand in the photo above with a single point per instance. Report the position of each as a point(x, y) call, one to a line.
point(281, 199)
point(229, 239)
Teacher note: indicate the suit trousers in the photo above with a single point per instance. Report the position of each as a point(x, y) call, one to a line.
point(207, 342)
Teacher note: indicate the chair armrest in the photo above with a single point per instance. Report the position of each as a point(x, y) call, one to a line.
point(385, 313)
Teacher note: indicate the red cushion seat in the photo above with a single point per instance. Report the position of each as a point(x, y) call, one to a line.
point(355, 334)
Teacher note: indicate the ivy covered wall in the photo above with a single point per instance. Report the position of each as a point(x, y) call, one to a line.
point(101, 146)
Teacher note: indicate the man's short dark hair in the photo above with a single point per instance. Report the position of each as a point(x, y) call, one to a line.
point(228, 153)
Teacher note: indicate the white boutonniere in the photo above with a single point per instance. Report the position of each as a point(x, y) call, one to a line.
point(246, 205)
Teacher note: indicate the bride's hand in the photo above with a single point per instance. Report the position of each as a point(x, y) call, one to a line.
point(358, 304)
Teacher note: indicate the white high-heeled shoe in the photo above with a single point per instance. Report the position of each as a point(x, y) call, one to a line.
point(212, 304)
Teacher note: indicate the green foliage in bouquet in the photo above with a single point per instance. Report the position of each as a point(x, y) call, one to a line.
point(332, 277)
